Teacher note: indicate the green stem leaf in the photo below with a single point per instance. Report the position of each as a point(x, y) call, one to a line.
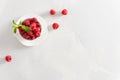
point(20, 23)
point(15, 29)
point(16, 26)
point(14, 22)
point(26, 28)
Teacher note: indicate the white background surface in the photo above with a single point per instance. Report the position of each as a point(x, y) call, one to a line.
point(95, 21)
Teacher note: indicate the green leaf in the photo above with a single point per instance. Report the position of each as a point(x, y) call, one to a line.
point(14, 22)
point(20, 23)
point(15, 29)
point(15, 26)
point(25, 28)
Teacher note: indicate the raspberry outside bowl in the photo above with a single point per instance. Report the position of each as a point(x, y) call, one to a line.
point(38, 40)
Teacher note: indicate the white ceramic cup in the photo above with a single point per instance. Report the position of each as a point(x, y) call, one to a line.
point(38, 40)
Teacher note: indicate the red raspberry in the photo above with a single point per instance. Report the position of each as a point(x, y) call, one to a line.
point(8, 58)
point(64, 12)
point(52, 12)
point(33, 26)
point(20, 28)
point(32, 37)
point(21, 31)
point(26, 22)
point(38, 25)
point(26, 36)
point(37, 34)
point(34, 20)
point(55, 25)
point(30, 33)
point(29, 38)
point(39, 29)
point(35, 31)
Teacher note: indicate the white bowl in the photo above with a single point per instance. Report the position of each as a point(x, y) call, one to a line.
point(38, 40)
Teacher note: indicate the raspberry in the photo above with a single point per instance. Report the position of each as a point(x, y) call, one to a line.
point(39, 29)
point(64, 12)
point(26, 36)
point(35, 31)
point(52, 12)
point(26, 22)
point(29, 38)
point(55, 25)
point(38, 25)
point(34, 20)
point(21, 30)
point(30, 33)
point(37, 34)
point(8, 58)
point(32, 37)
point(33, 26)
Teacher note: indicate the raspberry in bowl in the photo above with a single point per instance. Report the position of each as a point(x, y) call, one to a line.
point(31, 30)
point(35, 29)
